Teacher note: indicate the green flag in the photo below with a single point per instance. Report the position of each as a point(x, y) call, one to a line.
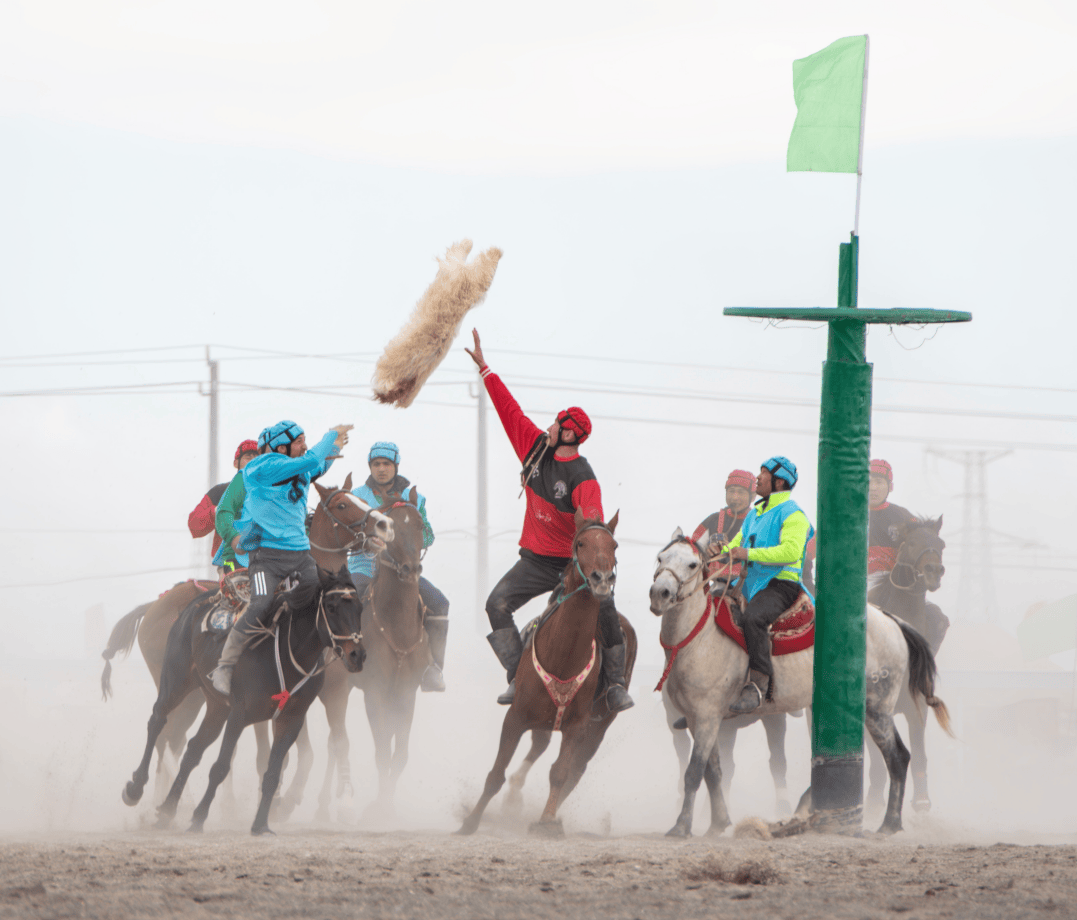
point(828, 88)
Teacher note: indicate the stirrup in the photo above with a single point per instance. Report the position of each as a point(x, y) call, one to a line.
point(743, 704)
point(433, 680)
point(509, 695)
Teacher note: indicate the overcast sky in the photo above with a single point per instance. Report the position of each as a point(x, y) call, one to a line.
point(280, 176)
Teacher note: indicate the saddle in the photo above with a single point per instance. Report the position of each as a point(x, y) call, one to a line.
point(793, 631)
point(234, 596)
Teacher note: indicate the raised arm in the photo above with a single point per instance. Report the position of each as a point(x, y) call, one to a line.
point(521, 430)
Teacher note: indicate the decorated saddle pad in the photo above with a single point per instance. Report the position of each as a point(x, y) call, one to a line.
point(793, 631)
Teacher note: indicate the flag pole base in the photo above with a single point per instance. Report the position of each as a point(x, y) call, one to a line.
point(837, 791)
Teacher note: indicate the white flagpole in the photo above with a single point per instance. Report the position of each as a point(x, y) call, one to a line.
point(860, 152)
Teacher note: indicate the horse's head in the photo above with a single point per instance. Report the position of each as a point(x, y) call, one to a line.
point(354, 525)
point(406, 555)
point(919, 559)
point(680, 571)
point(594, 553)
point(339, 609)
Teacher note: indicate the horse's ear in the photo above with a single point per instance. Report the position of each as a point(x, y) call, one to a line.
point(578, 517)
point(413, 496)
point(322, 490)
point(324, 577)
point(702, 542)
point(677, 534)
point(612, 525)
point(938, 524)
point(343, 574)
point(347, 483)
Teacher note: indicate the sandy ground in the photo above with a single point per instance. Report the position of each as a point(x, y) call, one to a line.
point(329, 874)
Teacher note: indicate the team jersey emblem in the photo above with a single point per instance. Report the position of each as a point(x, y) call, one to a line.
point(560, 490)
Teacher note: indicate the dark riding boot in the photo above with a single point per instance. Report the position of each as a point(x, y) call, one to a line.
point(613, 667)
point(437, 633)
point(233, 648)
point(509, 648)
point(752, 695)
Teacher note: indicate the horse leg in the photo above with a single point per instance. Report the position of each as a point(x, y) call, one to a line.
point(774, 725)
point(705, 741)
point(512, 730)
point(378, 710)
point(284, 735)
point(173, 739)
point(880, 726)
point(682, 741)
point(540, 740)
point(727, 737)
point(560, 772)
point(305, 755)
point(917, 725)
point(405, 715)
point(712, 775)
point(177, 682)
point(877, 771)
point(212, 723)
point(221, 768)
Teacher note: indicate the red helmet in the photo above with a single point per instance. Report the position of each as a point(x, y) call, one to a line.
point(882, 468)
point(245, 447)
point(741, 478)
point(574, 419)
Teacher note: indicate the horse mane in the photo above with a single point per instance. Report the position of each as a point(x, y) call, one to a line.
point(923, 522)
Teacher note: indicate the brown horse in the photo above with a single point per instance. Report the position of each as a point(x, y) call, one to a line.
point(397, 655)
point(340, 523)
point(565, 644)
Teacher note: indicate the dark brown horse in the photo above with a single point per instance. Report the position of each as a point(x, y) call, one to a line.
point(277, 677)
point(340, 523)
point(565, 644)
point(397, 654)
point(903, 594)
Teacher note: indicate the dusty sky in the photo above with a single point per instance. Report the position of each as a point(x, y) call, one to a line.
point(278, 177)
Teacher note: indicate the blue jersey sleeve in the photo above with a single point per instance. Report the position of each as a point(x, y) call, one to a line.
point(277, 467)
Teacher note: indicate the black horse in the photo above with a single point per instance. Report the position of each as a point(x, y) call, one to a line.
point(328, 619)
point(903, 594)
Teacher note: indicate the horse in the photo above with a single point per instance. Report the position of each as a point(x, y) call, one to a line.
point(340, 522)
point(706, 673)
point(564, 643)
point(903, 593)
point(397, 654)
point(289, 662)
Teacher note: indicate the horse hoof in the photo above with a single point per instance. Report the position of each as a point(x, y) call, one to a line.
point(678, 831)
point(163, 822)
point(922, 805)
point(195, 828)
point(890, 827)
point(131, 794)
point(262, 831)
point(547, 828)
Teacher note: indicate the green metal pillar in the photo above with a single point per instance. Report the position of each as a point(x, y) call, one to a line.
point(842, 558)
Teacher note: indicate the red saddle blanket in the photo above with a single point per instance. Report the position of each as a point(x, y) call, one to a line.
point(793, 631)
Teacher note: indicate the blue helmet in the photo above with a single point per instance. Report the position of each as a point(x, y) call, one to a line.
point(387, 450)
point(782, 468)
point(283, 433)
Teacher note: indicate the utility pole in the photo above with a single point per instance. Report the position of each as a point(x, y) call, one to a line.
point(213, 390)
point(482, 527)
point(976, 588)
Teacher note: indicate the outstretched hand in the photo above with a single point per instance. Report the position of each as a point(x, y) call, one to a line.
point(342, 435)
point(476, 355)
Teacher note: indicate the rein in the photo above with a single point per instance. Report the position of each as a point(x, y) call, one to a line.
point(584, 583)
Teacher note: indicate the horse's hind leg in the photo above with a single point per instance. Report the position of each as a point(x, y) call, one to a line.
point(173, 739)
point(514, 800)
point(706, 740)
point(727, 738)
point(921, 801)
point(291, 799)
point(212, 723)
point(712, 774)
point(176, 683)
point(880, 726)
point(284, 735)
point(221, 768)
point(512, 730)
point(775, 725)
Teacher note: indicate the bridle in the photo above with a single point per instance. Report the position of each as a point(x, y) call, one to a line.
point(718, 575)
point(359, 539)
point(585, 581)
point(914, 568)
point(386, 557)
point(334, 639)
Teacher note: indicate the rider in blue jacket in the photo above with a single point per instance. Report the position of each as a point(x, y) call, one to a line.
point(771, 543)
point(273, 528)
point(383, 486)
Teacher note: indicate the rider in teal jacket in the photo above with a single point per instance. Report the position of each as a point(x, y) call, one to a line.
point(383, 486)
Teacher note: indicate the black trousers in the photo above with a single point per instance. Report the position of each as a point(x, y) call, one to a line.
point(268, 568)
point(763, 609)
point(534, 575)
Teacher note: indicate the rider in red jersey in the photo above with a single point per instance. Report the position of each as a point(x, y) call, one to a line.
point(558, 481)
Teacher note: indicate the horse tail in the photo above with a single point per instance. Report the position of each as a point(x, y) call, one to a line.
point(922, 673)
point(121, 640)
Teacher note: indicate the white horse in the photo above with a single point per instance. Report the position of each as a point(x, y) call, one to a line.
point(708, 672)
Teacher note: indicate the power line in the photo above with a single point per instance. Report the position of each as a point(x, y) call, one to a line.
point(69, 581)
